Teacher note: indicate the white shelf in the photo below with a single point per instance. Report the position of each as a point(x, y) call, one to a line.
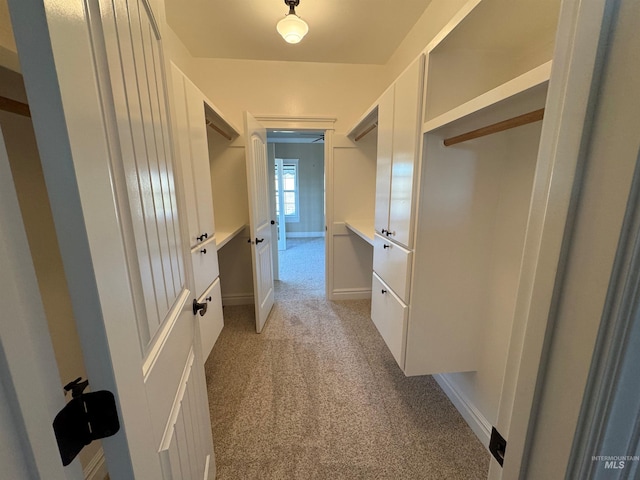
point(224, 236)
point(524, 82)
point(362, 229)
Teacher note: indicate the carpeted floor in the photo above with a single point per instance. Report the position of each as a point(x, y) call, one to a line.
point(318, 395)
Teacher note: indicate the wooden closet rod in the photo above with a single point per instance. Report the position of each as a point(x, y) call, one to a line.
point(497, 127)
point(13, 106)
point(219, 130)
point(360, 135)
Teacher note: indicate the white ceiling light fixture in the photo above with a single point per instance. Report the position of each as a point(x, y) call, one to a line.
point(292, 27)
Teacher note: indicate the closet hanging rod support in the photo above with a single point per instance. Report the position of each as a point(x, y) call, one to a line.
point(219, 130)
point(524, 119)
point(370, 128)
point(13, 106)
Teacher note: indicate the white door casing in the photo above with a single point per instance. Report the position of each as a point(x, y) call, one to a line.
point(282, 226)
point(259, 218)
point(95, 79)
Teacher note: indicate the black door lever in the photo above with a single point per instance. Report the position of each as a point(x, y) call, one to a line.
point(259, 240)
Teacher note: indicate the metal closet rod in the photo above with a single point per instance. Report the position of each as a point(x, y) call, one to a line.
point(524, 119)
point(13, 106)
point(218, 129)
point(370, 128)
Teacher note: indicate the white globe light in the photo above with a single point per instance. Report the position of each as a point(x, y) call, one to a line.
point(292, 28)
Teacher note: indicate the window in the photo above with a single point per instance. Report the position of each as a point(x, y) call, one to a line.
point(290, 193)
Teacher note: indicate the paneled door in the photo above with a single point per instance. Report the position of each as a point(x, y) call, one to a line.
point(259, 218)
point(95, 75)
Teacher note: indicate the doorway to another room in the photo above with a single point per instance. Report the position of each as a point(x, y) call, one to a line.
point(297, 192)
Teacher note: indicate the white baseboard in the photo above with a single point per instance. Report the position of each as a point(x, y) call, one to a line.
point(351, 294)
point(237, 299)
point(474, 418)
point(97, 467)
point(305, 234)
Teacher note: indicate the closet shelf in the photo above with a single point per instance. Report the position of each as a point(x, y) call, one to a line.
point(524, 82)
point(362, 229)
point(225, 235)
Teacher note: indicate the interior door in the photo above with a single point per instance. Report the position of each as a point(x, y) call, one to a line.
point(95, 77)
point(282, 226)
point(259, 218)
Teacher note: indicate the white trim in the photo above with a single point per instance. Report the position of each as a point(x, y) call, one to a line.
point(96, 469)
point(474, 418)
point(237, 299)
point(302, 122)
point(305, 234)
point(351, 294)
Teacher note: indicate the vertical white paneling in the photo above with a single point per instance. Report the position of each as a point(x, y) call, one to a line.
point(183, 451)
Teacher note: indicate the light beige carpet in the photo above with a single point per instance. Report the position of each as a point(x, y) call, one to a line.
point(318, 395)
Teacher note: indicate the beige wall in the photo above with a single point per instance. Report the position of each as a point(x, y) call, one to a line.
point(8, 55)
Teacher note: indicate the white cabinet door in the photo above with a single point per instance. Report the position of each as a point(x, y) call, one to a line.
point(383, 169)
point(183, 152)
point(389, 315)
point(393, 264)
point(200, 158)
point(406, 116)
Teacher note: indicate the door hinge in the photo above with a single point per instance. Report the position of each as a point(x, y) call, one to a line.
point(87, 417)
point(497, 445)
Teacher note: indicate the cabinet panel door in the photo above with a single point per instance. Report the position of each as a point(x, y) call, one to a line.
point(383, 172)
point(393, 264)
point(405, 149)
point(205, 266)
point(183, 151)
point(200, 159)
point(211, 322)
point(389, 314)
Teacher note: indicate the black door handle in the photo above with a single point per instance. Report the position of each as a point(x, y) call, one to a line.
point(203, 236)
point(199, 307)
point(259, 240)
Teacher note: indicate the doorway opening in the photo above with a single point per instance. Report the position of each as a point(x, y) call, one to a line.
point(296, 166)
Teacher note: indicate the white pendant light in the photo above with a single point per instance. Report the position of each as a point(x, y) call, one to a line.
point(292, 27)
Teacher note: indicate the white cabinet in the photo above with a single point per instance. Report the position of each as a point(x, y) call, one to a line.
point(389, 314)
point(190, 131)
point(450, 228)
point(398, 120)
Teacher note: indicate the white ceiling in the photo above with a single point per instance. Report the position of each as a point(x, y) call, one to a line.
point(340, 31)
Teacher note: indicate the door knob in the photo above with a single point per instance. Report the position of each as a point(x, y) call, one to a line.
point(204, 250)
point(273, 222)
point(259, 240)
point(208, 299)
point(199, 307)
point(384, 231)
point(386, 246)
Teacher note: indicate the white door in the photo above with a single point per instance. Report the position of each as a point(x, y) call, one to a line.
point(95, 77)
point(282, 226)
point(259, 218)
